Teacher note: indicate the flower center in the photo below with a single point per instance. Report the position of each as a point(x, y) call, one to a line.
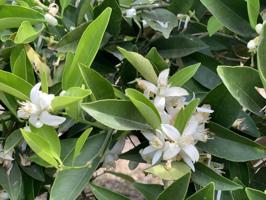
point(156, 143)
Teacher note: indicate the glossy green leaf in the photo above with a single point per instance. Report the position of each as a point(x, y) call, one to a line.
point(14, 85)
point(12, 183)
point(184, 75)
point(213, 25)
point(231, 19)
point(100, 87)
point(92, 38)
point(157, 60)
point(223, 104)
point(180, 185)
point(117, 114)
point(64, 4)
point(145, 107)
point(149, 191)
point(253, 11)
point(261, 50)
point(12, 16)
point(105, 194)
point(247, 125)
point(70, 96)
point(177, 170)
point(241, 83)
point(12, 140)
point(80, 142)
point(142, 64)
point(225, 138)
point(26, 33)
point(255, 194)
point(185, 114)
point(10, 102)
point(178, 46)
point(206, 193)
point(204, 175)
point(74, 180)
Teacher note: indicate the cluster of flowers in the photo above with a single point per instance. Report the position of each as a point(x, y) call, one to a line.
point(167, 143)
point(253, 44)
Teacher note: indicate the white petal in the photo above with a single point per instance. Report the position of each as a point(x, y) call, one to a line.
point(35, 121)
point(191, 152)
point(146, 85)
point(173, 92)
point(34, 94)
point(171, 150)
point(163, 78)
point(191, 127)
point(166, 119)
point(159, 103)
point(51, 120)
point(45, 100)
point(148, 150)
point(156, 157)
point(261, 91)
point(148, 135)
point(205, 109)
point(188, 161)
point(170, 131)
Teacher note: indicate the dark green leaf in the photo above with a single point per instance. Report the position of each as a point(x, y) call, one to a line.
point(105, 194)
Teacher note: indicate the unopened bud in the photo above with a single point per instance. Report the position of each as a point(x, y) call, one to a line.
point(258, 28)
point(50, 19)
point(53, 9)
point(251, 45)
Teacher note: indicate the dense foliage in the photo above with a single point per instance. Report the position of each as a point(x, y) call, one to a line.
point(187, 78)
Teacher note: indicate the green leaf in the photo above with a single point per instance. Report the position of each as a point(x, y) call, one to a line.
point(145, 107)
point(92, 38)
point(228, 16)
point(178, 46)
point(142, 64)
point(123, 176)
point(261, 50)
point(12, 140)
point(185, 114)
point(177, 170)
point(247, 125)
point(204, 175)
point(12, 183)
point(105, 194)
point(180, 185)
point(184, 75)
point(241, 83)
point(225, 138)
point(100, 87)
point(149, 191)
point(213, 25)
point(80, 142)
point(114, 25)
point(70, 96)
point(14, 85)
point(206, 193)
point(255, 194)
point(223, 104)
point(161, 20)
point(26, 33)
point(74, 180)
point(253, 11)
point(13, 16)
point(117, 114)
point(64, 4)
point(45, 143)
point(157, 60)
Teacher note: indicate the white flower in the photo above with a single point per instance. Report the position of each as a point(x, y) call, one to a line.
point(156, 148)
point(4, 195)
point(131, 12)
point(113, 154)
point(252, 45)
point(53, 9)
point(258, 28)
point(37, 110)
point(184, 145)
point(162, 90)
point(203, 113)
point(50, 19)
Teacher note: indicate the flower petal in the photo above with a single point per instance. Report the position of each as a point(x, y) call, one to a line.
point(51, 120)
point(170, 151)
point(163, 78)
point(34, 94)
point(35, 121)
point(173, 92)
point(148, 135)
point(45, 100)
point(159, 103)
point(192, 152)
point(188, 161)
point(205, 109)
point(148, 150)
point(191, 127)
point(146, 85)
point(156, 157)
point(170, 131)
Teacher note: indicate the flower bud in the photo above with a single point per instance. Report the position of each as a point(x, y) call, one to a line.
point(53, 9)
point(251, 45)
point(258, 28)
point(50, 19)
